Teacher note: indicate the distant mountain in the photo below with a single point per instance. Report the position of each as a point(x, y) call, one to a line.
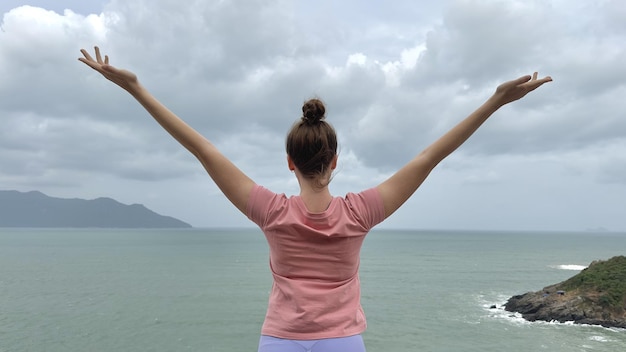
point(35, 209)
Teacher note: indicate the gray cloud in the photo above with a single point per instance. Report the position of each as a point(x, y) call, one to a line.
point(394, 79)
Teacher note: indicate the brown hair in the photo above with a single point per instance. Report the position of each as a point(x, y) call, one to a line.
point(312, 142)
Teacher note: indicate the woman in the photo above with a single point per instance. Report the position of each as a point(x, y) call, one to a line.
point(314, 238)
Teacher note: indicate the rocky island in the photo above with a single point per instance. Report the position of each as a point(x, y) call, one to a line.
point(595, 296)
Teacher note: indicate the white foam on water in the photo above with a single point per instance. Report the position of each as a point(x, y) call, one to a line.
point(599, 338)
point(573, 267)
point(497, 311)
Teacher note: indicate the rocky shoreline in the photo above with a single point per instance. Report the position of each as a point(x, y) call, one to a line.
point(595, 297)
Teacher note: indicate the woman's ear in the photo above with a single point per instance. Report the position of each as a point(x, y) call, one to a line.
point(292, 167)
point(333, 164)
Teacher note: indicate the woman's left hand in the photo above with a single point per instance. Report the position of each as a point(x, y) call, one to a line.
point(518, 88)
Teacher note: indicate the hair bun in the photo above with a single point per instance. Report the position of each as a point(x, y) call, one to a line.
point(313, 111)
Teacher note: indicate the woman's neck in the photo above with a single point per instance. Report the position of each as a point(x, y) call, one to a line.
point(316, 199)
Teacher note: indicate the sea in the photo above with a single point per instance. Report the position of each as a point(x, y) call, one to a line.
point(207, 289)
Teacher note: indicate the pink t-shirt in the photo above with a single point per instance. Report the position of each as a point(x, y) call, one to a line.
point(314, 259)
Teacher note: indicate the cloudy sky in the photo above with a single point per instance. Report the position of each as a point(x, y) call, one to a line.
point(394, 75)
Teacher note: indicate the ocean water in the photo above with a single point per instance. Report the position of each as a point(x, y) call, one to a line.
point(206, 290)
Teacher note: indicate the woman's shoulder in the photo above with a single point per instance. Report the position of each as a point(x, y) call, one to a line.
point(367, 205)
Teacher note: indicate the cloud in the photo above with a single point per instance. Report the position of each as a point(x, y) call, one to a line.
point(394, 79)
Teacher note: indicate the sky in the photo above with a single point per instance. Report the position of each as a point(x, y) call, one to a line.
point(394, 76)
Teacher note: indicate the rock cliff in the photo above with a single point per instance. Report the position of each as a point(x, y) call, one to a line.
point(596, 296)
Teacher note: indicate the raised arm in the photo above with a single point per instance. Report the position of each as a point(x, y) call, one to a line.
point(400, 186)
point(234, 183)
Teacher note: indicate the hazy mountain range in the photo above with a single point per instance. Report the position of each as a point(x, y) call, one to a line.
point(35, 209)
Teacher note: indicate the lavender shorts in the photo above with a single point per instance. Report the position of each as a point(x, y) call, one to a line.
point(338, 344)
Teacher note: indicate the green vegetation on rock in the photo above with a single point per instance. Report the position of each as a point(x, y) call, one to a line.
point(606, 278)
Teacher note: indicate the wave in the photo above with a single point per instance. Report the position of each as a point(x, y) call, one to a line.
point(497, 311)
point(574, 267)
point(599, 338)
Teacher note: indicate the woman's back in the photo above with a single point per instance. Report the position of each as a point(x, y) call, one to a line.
point(314, 259)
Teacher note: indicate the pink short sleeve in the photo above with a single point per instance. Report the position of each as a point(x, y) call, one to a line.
point(259, 204)
point(368, 206)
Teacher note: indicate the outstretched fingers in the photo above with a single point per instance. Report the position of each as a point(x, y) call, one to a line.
point(98, 56)
point(86, 54)
point(89, 61)
point(522, 80)
point(534, 83)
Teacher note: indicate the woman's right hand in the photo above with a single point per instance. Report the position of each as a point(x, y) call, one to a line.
point(122, 78)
